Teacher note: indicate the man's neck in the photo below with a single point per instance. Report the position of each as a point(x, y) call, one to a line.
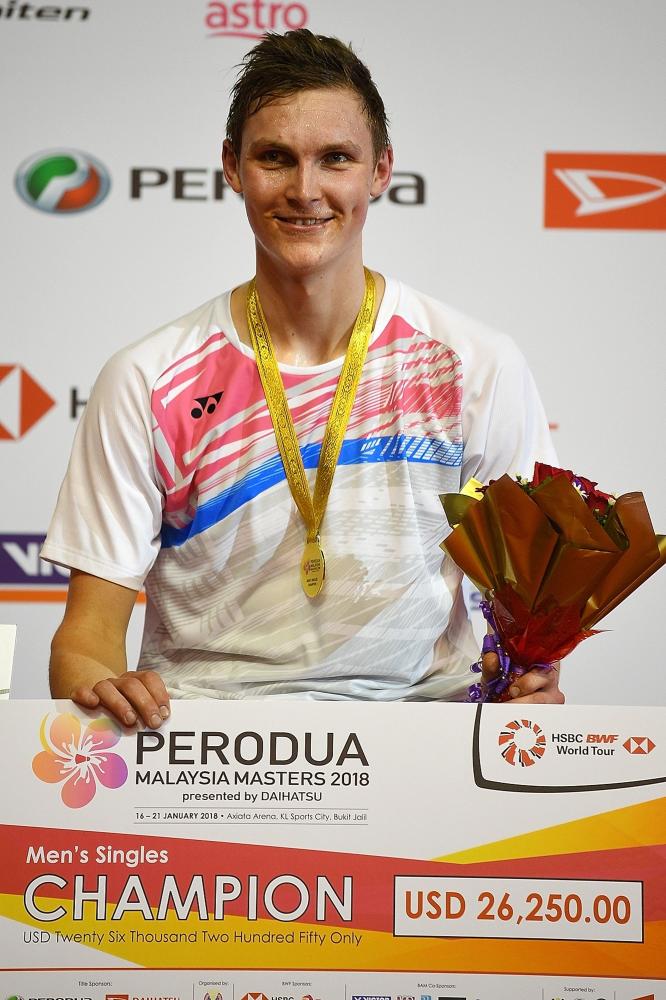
point(310, 317)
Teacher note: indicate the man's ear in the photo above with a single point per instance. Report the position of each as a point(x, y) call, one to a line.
point(230, 166)
point(383, 172)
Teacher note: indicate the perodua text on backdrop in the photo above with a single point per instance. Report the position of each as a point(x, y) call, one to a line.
point(204, 184)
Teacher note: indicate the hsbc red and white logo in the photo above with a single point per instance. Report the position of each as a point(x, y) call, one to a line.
point(253, 18)
point(605, 191)
point(639, 744)
point(23, 402)
point(255, 996)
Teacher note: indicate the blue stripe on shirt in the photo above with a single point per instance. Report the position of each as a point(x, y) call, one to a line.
point(398, 448)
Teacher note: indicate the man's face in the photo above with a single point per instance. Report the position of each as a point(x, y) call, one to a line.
point(307, 171)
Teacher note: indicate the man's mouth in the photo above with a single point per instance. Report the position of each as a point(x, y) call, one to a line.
point(303, 220)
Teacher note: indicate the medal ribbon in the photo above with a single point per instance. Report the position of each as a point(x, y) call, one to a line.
point(311, 507)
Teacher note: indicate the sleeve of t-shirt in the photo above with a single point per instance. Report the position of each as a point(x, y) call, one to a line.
point(108, 516)
point(504, 425)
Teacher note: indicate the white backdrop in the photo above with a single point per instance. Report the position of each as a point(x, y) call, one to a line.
point(477, 93)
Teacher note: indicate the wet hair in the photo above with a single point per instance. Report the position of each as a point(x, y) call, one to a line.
point(281, 65)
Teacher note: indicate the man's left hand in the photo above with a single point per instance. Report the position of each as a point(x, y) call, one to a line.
point(537, 686)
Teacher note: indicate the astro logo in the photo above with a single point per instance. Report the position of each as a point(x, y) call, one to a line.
point(62, 181)
point(522, 743)
point(253, 19)
point(22, 402)
point(79, 758)
point(639, 744)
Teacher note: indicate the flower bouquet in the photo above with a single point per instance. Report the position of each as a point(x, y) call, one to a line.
point(552, 557)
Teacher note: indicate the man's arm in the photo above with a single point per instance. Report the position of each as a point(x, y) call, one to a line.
point(88, 658)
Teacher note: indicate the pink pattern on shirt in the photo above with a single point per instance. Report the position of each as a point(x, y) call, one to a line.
point(403, 386)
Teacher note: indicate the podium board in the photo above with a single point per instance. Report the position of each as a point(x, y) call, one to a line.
point(307, 851)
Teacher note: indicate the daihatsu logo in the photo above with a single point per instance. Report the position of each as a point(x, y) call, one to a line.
point(592, 199)
point(605, 191)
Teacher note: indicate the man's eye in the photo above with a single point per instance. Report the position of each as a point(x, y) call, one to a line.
point(337, 157)
point(272, 156)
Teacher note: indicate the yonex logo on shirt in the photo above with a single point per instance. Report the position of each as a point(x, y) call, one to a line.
point(205, 404)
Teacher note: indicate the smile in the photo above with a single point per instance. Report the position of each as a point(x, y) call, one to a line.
point(302, 222)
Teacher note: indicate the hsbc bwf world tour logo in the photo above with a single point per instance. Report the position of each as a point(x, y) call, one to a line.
point(522, 743)
point(62, 181)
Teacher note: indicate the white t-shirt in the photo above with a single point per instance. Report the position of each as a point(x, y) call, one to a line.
point(175, 482)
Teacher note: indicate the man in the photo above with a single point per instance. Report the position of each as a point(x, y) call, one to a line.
point(188, 467)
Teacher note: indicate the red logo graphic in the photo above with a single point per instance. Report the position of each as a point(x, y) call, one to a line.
point(253, 19)
point(639, 744)
point(22, 402)
point(255, 996)
point(522, 742)
point(117, 996)
point(605, 191)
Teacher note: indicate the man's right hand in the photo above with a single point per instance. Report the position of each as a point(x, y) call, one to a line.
point(134, 696)
point(88, 659)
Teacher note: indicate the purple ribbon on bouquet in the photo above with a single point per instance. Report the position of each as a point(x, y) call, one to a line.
point(508, 670)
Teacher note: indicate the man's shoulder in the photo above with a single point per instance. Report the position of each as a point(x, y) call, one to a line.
point(192, 335)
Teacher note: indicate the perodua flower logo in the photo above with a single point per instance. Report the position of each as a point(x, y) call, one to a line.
point(79, 758)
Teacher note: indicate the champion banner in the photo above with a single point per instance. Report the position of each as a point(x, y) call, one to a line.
point(301, 851)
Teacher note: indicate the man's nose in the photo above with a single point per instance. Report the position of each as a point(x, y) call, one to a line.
point(304, 184)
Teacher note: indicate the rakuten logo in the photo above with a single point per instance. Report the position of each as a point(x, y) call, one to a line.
point(253, 19)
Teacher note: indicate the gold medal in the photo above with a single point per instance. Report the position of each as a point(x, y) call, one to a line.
point(311, 507)
point(313, 569)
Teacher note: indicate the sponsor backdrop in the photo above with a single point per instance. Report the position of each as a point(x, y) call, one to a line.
point(530, 191)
